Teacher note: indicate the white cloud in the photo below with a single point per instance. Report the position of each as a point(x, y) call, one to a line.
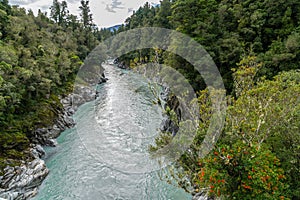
point(117, 4)
point(130, 10)
point(109, 9)
point(105, 14)
point(22, 2)
point(73, 1)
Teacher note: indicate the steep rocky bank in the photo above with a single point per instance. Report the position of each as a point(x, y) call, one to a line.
point(171, 102)
point(22, 182)
point(170, 126)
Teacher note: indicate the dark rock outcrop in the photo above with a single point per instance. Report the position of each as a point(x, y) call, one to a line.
point(46, 136)
point(103, 79)
point(170, 101)
point(202, 196)
point(22, 182)
point(121, 64)
point(167, 125)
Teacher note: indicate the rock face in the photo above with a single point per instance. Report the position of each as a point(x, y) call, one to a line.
point(46, 136)
point(168, 125)
point(202, 196)
point(103, 79)
point(172, 102)
point(121, 64)
point(21, 182)
point(81, 95)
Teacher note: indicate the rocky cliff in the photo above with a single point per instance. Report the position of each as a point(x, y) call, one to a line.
point(22, 182)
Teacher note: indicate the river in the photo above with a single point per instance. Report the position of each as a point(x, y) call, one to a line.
point(105, 157)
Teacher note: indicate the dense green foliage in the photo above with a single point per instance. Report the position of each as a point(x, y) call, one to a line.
point(254, 44)
point(257, 155)
point(228, 30)
point(39, 58)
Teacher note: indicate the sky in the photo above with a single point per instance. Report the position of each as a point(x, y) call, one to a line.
point(106, 13)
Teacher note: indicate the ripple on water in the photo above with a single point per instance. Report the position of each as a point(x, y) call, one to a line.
point(98, 159)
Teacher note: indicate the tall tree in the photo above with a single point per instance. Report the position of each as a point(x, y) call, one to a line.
point(86, 16)
point(4, 11)
point(161, 18)
point(63, 13)
point(55, 11)
point(59, 12)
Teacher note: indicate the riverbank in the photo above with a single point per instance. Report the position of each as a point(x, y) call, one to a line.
point(174, 114)
point(106, 154)
point(22, 182)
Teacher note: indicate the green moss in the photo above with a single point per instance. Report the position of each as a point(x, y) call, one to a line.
point(15, 140)
point(4, 162)
point(13, 146)
point(46, 112)
point(160, 142)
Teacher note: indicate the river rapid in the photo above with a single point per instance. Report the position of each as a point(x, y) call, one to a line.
point(105, 157)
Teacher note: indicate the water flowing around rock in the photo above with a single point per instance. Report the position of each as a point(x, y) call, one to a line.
point(106, 155)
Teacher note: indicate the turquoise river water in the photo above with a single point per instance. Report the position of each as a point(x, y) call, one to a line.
point(105, 157)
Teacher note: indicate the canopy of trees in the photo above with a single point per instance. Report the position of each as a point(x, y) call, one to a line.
point(255, 45)
point(229, 31)
point(39, 59)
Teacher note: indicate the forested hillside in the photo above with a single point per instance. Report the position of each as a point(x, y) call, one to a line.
point(39, 58)
point(256, 46)
point(229, 31)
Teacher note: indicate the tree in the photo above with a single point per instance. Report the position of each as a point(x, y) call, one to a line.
point(4, 12)
point(257, 155)
point(86, 16)
point(59, 12)
point(72, 22)
point(55, 11)
point(38, 62)
point(164, 12)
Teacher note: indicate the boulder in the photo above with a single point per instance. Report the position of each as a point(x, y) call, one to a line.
point(21, 182)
